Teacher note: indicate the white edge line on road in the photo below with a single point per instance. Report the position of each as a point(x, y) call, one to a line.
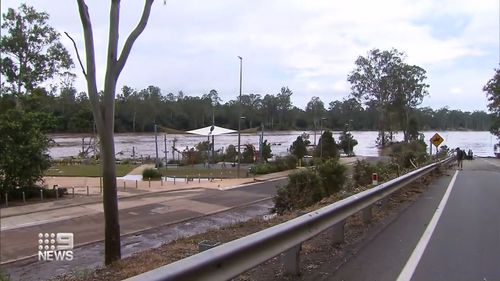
point(408, 270)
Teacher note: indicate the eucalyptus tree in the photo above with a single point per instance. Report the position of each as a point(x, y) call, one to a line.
point(31, 50)
point(104, 111)
point(492, 89)
point(383, 80)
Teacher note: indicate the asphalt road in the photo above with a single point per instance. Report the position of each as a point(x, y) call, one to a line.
point(464, 244)
point(136, 215)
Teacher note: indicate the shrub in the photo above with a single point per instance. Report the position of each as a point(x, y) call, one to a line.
point(304, 188)
point(405, 154)
point(151, 173)
point(363, 171)
point(362, 174)
point(281, 164)
point(332, 174)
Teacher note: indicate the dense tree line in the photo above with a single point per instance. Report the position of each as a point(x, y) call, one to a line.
point(138, 110)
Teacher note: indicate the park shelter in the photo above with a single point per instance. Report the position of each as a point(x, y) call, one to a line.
point(211, 131)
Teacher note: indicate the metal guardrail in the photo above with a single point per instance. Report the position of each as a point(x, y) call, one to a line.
point(235, 257)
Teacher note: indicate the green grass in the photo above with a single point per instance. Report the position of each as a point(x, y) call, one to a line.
point(203, 172)
point(86, 170)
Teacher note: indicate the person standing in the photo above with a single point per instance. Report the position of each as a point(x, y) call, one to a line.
point(460, 157)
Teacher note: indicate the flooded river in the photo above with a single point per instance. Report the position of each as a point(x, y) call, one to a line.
point(143, 144)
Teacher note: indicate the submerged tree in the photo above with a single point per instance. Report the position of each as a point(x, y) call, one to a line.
point(104, 110)
point(383, 80)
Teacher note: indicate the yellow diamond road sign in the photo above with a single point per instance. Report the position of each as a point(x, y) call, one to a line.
point(436, 139)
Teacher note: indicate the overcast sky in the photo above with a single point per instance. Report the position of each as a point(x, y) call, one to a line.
point(309, 46)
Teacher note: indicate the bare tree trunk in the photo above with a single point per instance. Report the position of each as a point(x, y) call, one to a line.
point(104, 112)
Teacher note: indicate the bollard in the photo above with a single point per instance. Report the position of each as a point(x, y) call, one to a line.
point(6, 199)
point(149, 182)
point(199, 176)
point(338, 232)
point(88, 193)
point(174, 179)
point(161, 181)
point(57, 193)
point(41, 194)
point(374, 179)
point(100, 182)
point(367, 215)
point(73, 192)
point(136, 186)
point(220, 176)
point(100, 189)
point(24, 198)
point(291, 260)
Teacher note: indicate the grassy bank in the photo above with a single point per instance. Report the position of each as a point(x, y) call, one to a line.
point(91, 170)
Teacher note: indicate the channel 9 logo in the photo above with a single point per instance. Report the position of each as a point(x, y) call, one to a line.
point(55, 246)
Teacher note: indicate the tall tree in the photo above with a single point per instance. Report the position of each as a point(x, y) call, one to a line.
point(315, 109)
point(32, 50)
point(384, 81)
point(103, 108)
point(408, 91)
point(492, 89)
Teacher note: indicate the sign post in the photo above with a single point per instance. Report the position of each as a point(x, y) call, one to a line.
point(436, 140)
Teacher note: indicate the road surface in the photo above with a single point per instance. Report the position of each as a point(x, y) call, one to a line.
point(451, 233)
point(136, 214)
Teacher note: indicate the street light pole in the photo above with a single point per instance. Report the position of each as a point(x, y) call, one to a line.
point(156, 146)
point(321, 137)
point(239, 118)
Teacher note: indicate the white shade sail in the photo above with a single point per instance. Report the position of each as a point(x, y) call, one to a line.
point(211, 131)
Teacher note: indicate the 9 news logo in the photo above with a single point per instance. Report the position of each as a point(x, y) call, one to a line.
point(55, 246)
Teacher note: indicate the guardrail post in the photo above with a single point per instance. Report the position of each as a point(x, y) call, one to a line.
point(384, 203)
point(291, 260)
point(367, 215)
point(338, 232)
